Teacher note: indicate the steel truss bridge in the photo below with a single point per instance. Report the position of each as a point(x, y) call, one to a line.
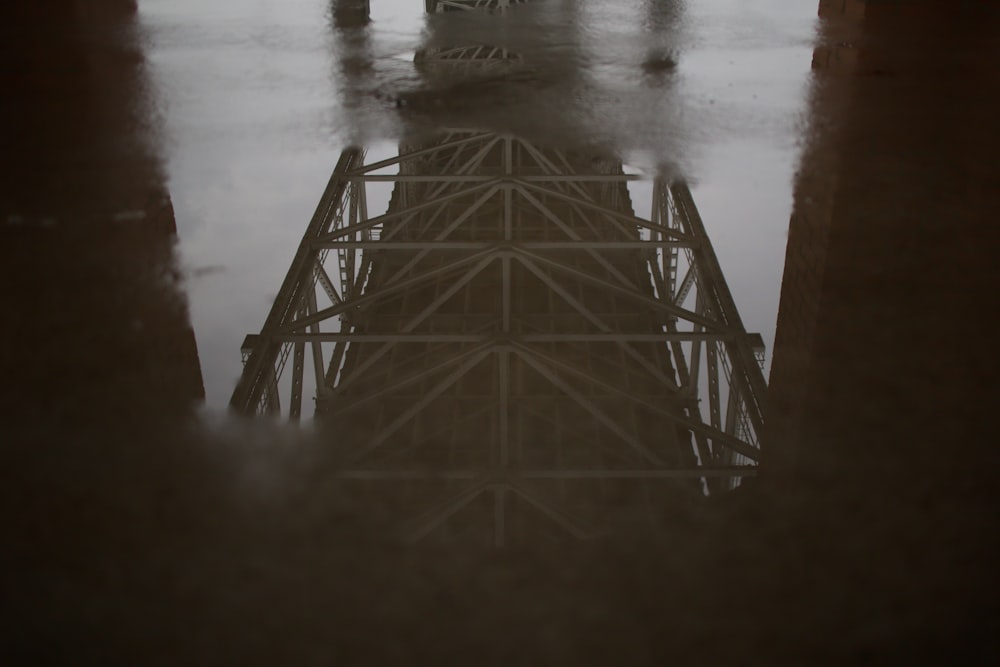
point(508, 352)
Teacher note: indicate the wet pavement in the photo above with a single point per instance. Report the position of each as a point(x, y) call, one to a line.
point(161, 165)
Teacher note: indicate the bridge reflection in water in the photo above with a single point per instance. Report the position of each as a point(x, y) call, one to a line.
point(507, 340)
point(509, 352)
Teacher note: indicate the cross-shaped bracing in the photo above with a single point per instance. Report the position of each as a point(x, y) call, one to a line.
point(508, 322)
point(441, 6)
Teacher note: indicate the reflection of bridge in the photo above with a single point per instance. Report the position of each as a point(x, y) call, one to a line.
point(509, 347)
point(441, 6)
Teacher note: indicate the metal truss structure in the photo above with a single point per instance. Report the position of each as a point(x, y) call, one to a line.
point(509, 351)
point(509, 319)
point(441, 6)
point(479, 59)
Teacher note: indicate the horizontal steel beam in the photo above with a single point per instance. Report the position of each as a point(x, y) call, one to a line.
point(394, 475)
point(358, 337)
point(696, 426)
point(409, 211)
point(382, 293)
point(528, 399)
point(482, 178)
point(635, 295)
point(430, 150)
point(502, 245)
point(676, 473)
point(569, 474)
point(529, 189)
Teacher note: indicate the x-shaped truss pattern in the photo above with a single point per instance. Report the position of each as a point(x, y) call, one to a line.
point(510, 334)
point(509, 346)
point(477, 59)
point(441, 6)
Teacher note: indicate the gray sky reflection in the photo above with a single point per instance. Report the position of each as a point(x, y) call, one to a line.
point(258, 102)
